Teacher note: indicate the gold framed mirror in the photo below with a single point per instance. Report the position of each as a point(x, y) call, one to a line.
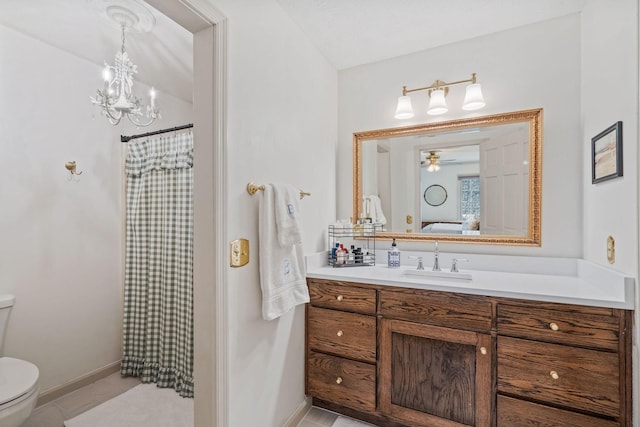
point(490, 166)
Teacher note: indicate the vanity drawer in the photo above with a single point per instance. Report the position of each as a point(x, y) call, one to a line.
point(345, 334)
point(557, 374)
point(342, 381)
point(515, 412)
point(341, 296)
point(437, 308)
point(563, 327)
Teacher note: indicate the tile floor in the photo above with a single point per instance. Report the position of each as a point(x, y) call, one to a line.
point(317, 417)
point(54, 413)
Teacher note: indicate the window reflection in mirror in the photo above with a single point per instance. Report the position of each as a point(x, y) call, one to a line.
point(488, 167)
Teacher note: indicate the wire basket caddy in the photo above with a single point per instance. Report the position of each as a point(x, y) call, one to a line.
point(352, 246)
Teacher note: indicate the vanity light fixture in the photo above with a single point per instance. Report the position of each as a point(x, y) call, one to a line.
point(473, 99)
point(116, 98)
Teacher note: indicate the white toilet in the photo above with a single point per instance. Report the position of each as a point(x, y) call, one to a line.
point(18, 378)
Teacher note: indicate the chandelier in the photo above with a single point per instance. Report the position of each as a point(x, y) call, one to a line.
point(116, 98)
point(432, 161)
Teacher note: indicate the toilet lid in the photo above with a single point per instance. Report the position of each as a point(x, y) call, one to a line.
point(16, 378)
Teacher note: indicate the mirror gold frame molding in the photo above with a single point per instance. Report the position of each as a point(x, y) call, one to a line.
point(533, 117)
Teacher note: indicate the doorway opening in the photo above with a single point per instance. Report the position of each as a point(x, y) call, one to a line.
point(209, 29)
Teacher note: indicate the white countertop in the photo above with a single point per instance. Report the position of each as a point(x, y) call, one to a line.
point(571, 281)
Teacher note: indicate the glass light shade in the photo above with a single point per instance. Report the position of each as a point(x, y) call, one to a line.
point(404, 109)
point(433, 167)
point(437, 103)
point(473, 99)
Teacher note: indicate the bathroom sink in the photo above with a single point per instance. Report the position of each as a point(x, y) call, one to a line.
point(437, 274)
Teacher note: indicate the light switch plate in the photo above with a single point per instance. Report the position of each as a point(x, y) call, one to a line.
point(239, 253)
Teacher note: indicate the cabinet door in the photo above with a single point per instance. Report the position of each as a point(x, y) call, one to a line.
point(434, 376)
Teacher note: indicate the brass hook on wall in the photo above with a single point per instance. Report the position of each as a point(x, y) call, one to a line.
point(71, 167)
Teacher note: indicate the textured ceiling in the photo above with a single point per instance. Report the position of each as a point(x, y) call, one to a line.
point(355, 32)
point(348, 32)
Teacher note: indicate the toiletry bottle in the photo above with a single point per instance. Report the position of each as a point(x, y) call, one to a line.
point(341, 255)
point(393, 256)
point(358, 256)
point(334, 251)
point(351, 259)
point(358, 228)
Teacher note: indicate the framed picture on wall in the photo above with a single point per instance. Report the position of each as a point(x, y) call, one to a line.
point(606, 154)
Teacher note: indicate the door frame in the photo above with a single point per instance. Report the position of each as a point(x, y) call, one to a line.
point(210, 43)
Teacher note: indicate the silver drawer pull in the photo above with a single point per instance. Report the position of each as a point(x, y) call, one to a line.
point(339, 297)
point(553, 326)
point(340, 333)
point(554, 375)
point(483, 350)
point(339, 380)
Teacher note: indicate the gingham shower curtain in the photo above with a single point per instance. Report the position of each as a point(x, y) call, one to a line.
point(158, 289)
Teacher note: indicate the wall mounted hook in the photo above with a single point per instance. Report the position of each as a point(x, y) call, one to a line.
point(71, 167)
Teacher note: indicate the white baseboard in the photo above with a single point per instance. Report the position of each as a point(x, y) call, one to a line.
point(299, 413)
point(73, 385)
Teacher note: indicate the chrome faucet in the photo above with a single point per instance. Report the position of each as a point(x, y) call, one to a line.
point(420, 265)
point(454, 264)
point(436, 261)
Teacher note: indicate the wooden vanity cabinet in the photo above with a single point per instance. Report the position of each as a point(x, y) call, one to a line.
point(571, 361)
point(400, 357)
point(435, 358)
point(341, 344)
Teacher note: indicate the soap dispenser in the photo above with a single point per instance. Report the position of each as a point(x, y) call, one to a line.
point(393, 256)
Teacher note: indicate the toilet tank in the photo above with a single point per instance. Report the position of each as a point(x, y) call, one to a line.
point(6, 302)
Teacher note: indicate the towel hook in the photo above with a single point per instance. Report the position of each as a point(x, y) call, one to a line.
point(71, 167)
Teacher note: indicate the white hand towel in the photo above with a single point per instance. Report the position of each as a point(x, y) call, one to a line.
point(376, 210)
point(287, 207)
point(282, 270)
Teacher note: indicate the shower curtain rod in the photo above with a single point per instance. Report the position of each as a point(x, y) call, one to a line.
point(157, 132)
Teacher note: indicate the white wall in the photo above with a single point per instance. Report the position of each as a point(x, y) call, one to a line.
point(528, 67)
point(403, 202)
point(61, 241)
point(282, 127)
point(610, 52)
point(447, 177)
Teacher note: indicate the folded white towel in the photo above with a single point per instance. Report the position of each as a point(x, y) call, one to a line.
point(376, 210)
point(287, 211)
point(282, 270)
